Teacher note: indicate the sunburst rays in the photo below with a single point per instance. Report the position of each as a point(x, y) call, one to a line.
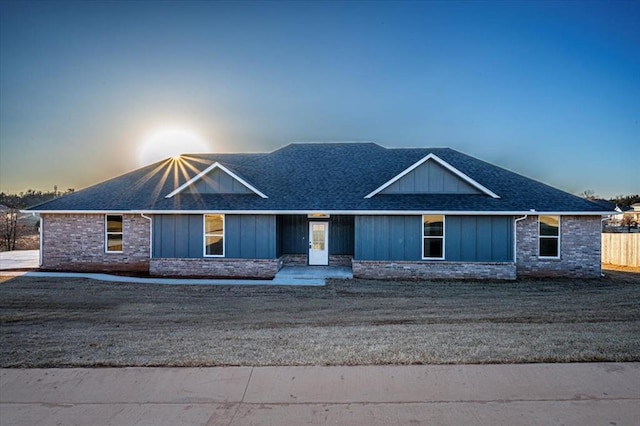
point(173, 172)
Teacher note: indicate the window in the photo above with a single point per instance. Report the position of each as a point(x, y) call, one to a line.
point(549, 245)
point(113, 237)
point(433, 237)
point(214, 235)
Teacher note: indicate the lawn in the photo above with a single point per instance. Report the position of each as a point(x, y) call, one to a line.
point(47, 322)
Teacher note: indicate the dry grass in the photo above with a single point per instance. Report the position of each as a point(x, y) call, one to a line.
point(73, 322)
point(24, 242)
point(630, 269)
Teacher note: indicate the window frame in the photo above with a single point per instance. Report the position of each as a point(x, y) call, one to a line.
point(442, 237)
point(549, 237)
point(205, 235)
point(107, 233)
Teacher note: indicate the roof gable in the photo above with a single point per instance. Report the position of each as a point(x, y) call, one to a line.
point(432, 175)
point(217, 179)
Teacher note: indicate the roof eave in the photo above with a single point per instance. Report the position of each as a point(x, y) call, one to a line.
point(335, 212)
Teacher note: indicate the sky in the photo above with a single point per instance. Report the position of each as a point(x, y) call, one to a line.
point(547, 89)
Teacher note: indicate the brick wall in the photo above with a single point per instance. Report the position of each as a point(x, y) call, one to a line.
point(580, 248)
point(293, 260)
point(75, 242)
point(377, 269)
point(340, 259)
point(302, 259)
point(215, 267)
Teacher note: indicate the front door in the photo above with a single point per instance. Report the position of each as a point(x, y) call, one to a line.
point(318, 243)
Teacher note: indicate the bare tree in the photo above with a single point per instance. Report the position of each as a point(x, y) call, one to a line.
point(628, 221)
point(9, 224)
point(589, 194)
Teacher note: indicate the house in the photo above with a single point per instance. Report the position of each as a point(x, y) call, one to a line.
point(387, 213)
point(624, 219)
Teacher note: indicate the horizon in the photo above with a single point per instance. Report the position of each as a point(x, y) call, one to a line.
point(94, 90)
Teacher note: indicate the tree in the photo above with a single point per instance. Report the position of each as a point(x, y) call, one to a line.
point(589, 194)
point(628, 221)
point(12, 226)
point(9, 226)
point(625, 200)
point(30, 198)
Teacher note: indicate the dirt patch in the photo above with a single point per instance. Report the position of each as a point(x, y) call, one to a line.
point(618, 268)
point(75, 322)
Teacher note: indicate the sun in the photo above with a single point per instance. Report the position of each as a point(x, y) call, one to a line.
point(169, 142)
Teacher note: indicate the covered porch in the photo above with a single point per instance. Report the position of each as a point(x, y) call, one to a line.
point(315, 240)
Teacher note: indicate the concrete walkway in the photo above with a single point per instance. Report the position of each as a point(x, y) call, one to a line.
point(315, 272)
point(525, 394)
point(23, 262)
point(20, 259)
point(168, 281)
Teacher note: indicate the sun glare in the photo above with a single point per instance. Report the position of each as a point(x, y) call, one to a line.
point(169, 143)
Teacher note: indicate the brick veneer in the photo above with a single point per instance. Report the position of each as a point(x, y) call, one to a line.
point(302, 260)
point(293, 260)
point(76, 242)
point(376, 269)
point(580, 248)
point(215, 267)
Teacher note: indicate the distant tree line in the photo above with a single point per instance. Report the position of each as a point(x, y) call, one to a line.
point(30, 198)
point(13, 224)
point(619, 200)
point(625, 200)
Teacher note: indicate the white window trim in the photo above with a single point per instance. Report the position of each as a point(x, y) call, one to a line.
point(205, 235)
point(107, 233)
point(540, 236)
point(444, 218)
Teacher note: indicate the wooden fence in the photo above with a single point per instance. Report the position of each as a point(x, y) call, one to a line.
point(621, 249)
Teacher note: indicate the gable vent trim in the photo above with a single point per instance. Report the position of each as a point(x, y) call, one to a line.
point(444, 164)
point(203, 173)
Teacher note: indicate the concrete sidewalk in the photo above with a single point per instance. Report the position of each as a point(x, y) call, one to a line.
point(524, 394)
point(23, 262)
point(282, 281)
point(20, 259)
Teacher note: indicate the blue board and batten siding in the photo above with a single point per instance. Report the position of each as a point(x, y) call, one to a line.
point(246, 236)
point(479, 238)
point(177, 236)
point(218, 182)
point(467, 238)
point(430, 178)
point(250, 236)
point(293, 234)
point(388, 238)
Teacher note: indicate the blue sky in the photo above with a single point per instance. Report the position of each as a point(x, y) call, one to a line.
point(547, 89)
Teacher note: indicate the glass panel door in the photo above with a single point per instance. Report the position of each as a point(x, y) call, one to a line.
point(318, 243)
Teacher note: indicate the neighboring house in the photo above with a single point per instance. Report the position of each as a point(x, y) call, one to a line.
point(387, 213)
point(634, 213)
point(631, 218)
point(624, 219)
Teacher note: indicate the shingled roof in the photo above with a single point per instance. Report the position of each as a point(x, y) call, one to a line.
point(318, 177)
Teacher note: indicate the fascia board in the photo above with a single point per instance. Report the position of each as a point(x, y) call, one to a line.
point(333, 212)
